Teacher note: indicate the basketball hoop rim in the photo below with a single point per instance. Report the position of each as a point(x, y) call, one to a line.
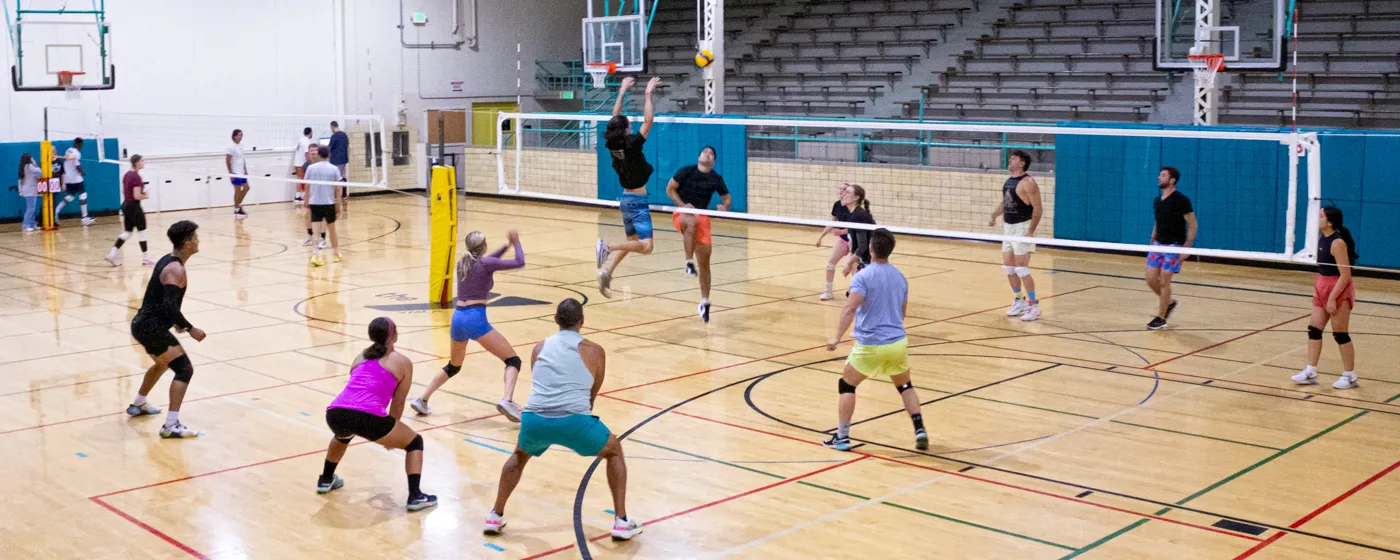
point(600, 72)
point(1207, 62)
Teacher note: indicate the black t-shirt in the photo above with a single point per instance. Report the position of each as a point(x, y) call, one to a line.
point(841, 214)
point(860, 238)
point(629, 162)
point(697, 187)
point(1171, 218)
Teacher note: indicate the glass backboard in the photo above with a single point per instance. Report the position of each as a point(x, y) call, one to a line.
point(618, 39)
point(1249, 34)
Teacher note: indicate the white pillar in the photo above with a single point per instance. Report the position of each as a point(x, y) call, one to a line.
point(712, 39)
point(1206, 98)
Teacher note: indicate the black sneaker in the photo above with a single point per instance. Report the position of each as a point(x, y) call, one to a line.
point(690, 268)
point(421, 502)
point(921, 440)
point(704, 311)
point(324, 486)
point(1157, 324)
point(1170, 308)
point(838, 443)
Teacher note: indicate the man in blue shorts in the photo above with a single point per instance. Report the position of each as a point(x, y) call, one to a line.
point(878, 301)
point(633, 171)
point(566, 373)
point(1175, 227)
point(237, 164)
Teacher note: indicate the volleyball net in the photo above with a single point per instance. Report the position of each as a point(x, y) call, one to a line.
point(1256, 194)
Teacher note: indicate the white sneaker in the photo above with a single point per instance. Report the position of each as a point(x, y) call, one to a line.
point(322, 244)
point(605, 285)
point(89, 221)
point(494, 523)
point(421, 406)
point(1032, 313)
point(625, 529)
point(509, 409)
point(1305, 377)
point(29, 229)
point(112, 260)
point(826, 296)
point(306, 243)
point(1346, 381)
point(602, 252)
point(147, 261)
point(1018, 308)
point(177, 431)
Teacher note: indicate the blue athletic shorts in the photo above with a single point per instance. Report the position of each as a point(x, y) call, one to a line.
point(1170, 262)
point(238, 182)
point(469, 323)
point(636, 215)
point(585, 435)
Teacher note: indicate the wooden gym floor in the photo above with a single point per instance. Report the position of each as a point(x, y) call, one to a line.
point(1081, 435)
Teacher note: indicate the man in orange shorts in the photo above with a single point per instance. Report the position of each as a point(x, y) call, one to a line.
point(693, 187)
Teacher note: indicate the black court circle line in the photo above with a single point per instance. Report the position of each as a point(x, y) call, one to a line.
point(296, 307)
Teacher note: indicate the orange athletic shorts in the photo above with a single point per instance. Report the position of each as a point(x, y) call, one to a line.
point(702, 226)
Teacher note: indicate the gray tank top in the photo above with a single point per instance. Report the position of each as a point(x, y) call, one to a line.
point(560, 381)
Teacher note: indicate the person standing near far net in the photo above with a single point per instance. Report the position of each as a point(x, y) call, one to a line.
point(633, 172)
point(299, 163)
point(379, 380)
point(237, 165)
point(73, 182)
point(1334, 296)
point(322, 201)
point(29, 173)
point(340, 158)
point(878, 303)
point(1175, 227)
point(133, 216)
point(160, 310)
point(566, 371)
point(693, 187)
point(1020, 209)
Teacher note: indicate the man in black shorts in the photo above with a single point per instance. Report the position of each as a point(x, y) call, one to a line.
point(693, 187)
point(160, 310)
point(133, 216)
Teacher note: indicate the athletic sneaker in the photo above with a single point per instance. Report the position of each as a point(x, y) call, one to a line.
point(324, 486)
point(826, 296)
point(145, 409)
point(704, 310)
point(1157, 323)
point(494, 523)
point(605, 284)
point(509, 409)
point(625, 529)
point(306, 243)
point(690, 268)
point(147, 261)
point(29, 229)
point(1170, 308)
point(316, 260)
point(421, 502)
point(178, 431)
point(838, 443)
point(421, 406)
point(602, 253)
point(1018, 308)
point(322, 244)
point(1305, 377)
point(1346, 381)
point(89, 221)
point(337, 258)
point(112, 260)
point(921, 440)
point(1032, 313)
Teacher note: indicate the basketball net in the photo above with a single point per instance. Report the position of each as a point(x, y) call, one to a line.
point(600, 71)
point(72, 83)
point(1206, 67)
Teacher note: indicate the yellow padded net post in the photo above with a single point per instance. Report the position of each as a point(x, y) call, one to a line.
point(46, 157)
point(442, 210)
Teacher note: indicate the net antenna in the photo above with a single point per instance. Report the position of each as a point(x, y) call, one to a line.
point(600, 71)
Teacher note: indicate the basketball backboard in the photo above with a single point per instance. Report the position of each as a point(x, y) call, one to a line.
point(619, 37)
point(1249, 34)
point(50, 37)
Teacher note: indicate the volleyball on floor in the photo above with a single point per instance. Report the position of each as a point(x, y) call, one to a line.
point(704, 58)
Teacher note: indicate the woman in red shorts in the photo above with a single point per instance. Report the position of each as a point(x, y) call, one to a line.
point(1334, 295)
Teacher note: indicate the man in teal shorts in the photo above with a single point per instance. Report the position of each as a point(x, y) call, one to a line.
point(566, 373)
point(878, 301)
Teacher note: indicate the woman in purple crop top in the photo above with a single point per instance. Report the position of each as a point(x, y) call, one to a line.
point(379, 379)
point(475, 278)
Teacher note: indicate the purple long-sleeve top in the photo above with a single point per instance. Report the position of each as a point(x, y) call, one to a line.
point(476, 284)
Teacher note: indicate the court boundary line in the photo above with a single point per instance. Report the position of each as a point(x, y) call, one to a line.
point(1320, 510)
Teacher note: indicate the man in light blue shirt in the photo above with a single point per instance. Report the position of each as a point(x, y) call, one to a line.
point(878, 301)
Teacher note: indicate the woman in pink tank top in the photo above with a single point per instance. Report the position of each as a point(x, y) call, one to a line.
point(370, 407)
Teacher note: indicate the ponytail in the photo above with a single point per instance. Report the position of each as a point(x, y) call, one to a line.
point(24, 162)
point(380, 330)
point(1352, 255)
point(476, 247)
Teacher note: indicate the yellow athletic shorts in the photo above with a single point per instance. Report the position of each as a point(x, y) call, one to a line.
point(884, 360)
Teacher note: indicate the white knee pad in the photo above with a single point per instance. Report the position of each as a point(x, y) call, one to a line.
point(1023, 271)
point(830, 266)
point(82, 197)
point(125, 236)
point(68, 198)
point(1009, 270)
point(141, 235)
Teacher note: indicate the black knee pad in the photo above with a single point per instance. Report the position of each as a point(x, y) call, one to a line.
point(513, 361)
point(1314, 333)
point(1341, 337)
point(345, 441)
point(451, 370)
point(416, 444)
point(905, 387)
point(842, 387)
point(184, 370)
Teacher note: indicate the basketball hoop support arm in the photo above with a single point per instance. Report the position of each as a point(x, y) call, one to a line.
point(1206, 98)
point(711, 38)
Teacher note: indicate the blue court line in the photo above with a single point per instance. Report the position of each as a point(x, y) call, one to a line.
point(491, 447)
point(609, 512)
point(494, 547)
point(81, 454)
point(1156, 381)
point(306, 414)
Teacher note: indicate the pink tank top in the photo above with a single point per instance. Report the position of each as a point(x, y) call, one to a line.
point(370, 389)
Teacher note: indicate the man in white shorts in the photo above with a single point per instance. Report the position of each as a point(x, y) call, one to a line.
point(1020, 209)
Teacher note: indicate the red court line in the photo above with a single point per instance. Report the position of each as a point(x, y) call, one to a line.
point(1224, 342)
point(1319, 511)
point(963, 475)
point(149, 529)
point(716, 502)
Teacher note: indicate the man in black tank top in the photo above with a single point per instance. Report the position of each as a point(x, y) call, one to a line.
point(160, 311)
point(1020, 209)
point(1175, 227)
